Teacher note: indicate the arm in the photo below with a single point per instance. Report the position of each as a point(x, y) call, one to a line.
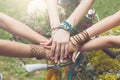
point(17, 49)
point(101, 43)
point(53, 13)
point(104, 25)
point(97, 44)
point(61, 37)
point(17, 28)
point(101, 26)
point(79, 12)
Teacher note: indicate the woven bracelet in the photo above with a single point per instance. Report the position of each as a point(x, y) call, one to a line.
point(37, 51)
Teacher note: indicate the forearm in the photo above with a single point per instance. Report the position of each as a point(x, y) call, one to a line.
point(79, 12)
point(17, 49)
point(14, 49)
point(98, 28)
point(17, 28)
point(101, 43)
point(53, 13)
point(104, 25)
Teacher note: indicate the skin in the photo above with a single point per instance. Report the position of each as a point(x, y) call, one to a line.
point(16, 49)
point(60, 39)
point(17, 28)
point(100, 27)
point(10, 48)
point(101, 43)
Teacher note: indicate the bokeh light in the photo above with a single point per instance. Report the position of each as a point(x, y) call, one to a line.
point(37, 7)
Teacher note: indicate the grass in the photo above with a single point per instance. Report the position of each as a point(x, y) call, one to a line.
point(17, 9)
point(106, 7)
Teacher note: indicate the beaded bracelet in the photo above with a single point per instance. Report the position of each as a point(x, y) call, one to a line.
point(66, 26)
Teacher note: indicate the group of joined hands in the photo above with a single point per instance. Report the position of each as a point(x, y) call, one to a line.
point(62, 46)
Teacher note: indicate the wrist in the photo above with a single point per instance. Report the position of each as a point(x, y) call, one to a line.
point(80, 39)
point(37, 52)
point(54, 24)
point(66, 26)
point(53, 31)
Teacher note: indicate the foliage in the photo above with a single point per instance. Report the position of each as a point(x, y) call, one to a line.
point(107, 76)
point(103, 62)
point(106, 7)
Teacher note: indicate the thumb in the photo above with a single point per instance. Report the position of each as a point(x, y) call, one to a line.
point(75, 55)
point(47, 47)
point(49, 42)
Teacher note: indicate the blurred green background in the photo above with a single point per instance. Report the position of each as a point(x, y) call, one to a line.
point(10, 67)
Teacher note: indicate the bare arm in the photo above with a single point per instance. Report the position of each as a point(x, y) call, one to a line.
point(17, 49)
point(17, 28)
point(60, 39)
point(53, 13)
point(101, 43)
point(79, 12)
point(101, 26)
point(98, 43)
point(104, 25)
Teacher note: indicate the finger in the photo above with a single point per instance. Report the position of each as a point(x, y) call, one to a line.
point(49, 42)
point(43, 44)
point(74, 55)
point(66, 50)
point(57, 52)
point(53, 47)
point(62, 53)
point(47, 47)
point(43, 41)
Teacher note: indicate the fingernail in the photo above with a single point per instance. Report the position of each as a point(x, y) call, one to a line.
point(58, 62)
point(61, 60)
point(55, 61)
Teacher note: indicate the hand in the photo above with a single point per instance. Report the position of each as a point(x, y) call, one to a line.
point(77, 41)
point(59, 42)
point(74, 48)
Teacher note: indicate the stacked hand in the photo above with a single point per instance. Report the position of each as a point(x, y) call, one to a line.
point(59, 44)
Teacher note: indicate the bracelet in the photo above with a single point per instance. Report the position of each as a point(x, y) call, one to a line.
point(80, 40)
point(66, 26)
point(85, 35)
point(37, 51)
